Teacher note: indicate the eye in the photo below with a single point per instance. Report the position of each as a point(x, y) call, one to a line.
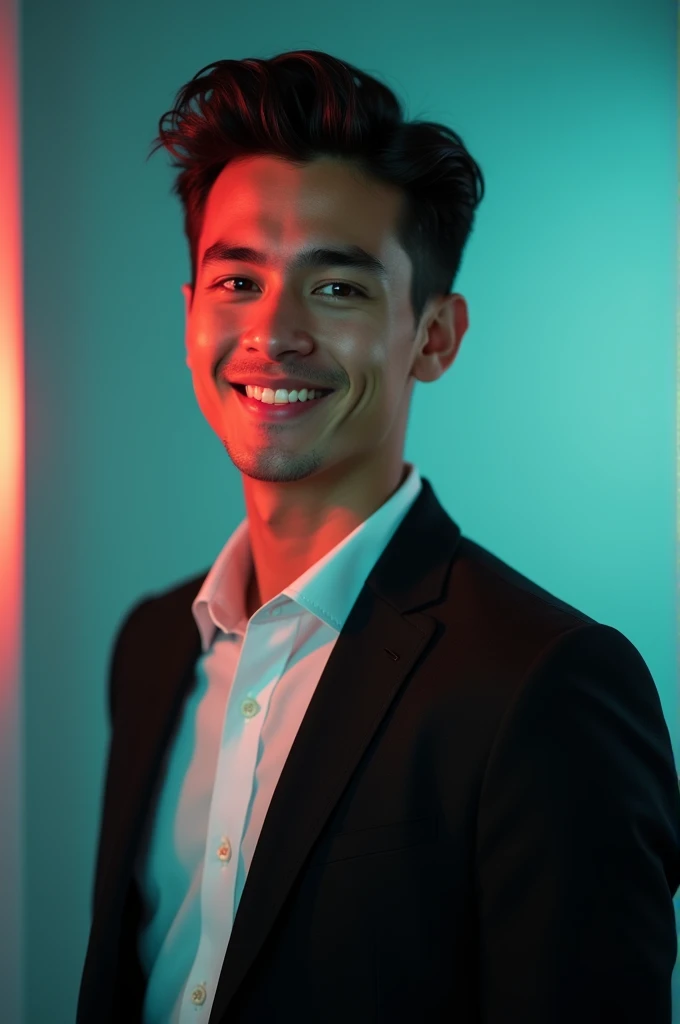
point(330, 284)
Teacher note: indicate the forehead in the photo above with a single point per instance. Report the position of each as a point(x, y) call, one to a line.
point(270, 202)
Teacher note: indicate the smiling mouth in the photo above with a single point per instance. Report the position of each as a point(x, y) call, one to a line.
point(277, 412)
point(320, 393)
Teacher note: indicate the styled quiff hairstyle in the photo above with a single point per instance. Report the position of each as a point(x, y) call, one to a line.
point(306, 104)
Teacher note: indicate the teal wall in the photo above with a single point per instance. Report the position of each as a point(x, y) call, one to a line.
point(551, 441)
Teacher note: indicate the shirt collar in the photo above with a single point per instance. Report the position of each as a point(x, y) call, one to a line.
point(328, 589)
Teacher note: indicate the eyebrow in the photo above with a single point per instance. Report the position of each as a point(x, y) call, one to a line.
point(314, 256)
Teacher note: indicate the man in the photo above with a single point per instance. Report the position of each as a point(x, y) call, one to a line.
point(362, 770)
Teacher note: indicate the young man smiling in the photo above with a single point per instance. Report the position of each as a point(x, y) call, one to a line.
point(311, 478)
point(360, 768)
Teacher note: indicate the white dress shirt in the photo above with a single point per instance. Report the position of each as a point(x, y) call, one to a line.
point(254, 681)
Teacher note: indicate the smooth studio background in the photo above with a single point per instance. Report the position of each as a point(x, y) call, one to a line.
point(551, 440)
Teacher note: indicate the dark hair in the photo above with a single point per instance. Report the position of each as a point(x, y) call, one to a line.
point(307, 104)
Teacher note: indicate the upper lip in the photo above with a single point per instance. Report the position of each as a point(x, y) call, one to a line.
point(289, 383)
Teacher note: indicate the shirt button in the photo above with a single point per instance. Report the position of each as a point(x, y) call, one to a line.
point(249, 707)
point(198, 995)
point(224, 849)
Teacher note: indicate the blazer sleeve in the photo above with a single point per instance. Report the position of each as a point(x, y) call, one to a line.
point(578, 843)
point(120, 651)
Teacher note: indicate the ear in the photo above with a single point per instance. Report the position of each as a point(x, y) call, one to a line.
point(188, 296)
point(445, 331)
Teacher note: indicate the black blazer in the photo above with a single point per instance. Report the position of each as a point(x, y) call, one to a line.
point(479, 820)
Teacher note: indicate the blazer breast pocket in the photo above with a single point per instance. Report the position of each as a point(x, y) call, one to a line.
point(380, 839)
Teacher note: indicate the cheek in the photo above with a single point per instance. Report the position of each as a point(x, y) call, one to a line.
point(208, 393)
point(384, 377)
point(379, 395)
point(202, 337)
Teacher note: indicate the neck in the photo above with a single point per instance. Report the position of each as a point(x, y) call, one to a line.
point(293, 525)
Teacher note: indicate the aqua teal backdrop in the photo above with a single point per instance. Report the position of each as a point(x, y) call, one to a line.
point(551, 441)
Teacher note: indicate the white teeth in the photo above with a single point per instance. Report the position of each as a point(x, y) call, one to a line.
point(279, 397)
